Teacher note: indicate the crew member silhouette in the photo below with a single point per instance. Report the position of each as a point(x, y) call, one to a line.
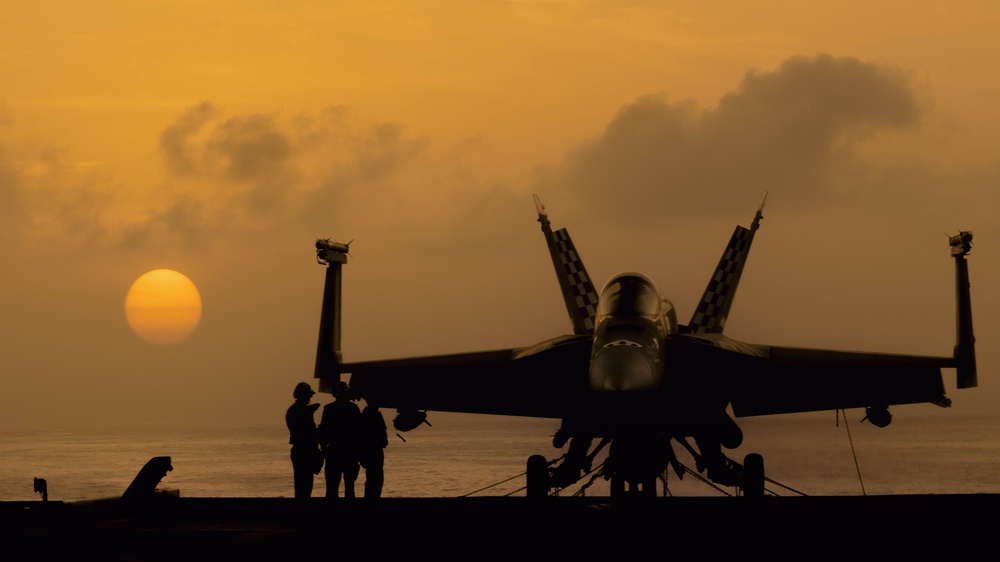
point(301, 422)
point(338, 433)
point(373, 440)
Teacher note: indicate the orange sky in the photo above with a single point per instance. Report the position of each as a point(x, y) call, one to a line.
point(221, 138)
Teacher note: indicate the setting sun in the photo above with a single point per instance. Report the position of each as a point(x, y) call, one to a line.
point(163, 306)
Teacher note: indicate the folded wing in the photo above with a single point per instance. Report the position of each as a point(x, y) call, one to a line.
point(536, 381)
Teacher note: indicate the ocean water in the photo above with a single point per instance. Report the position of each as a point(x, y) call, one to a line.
point(471, 455)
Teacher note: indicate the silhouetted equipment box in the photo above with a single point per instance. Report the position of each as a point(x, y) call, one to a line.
point(144, 485)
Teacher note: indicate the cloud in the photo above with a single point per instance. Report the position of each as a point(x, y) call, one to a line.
point(184, 223)
point(357, 168)
point(258, 171)
point(793, 130)
point(175, 140)
point(796, 130)
point(356, 150)
point(45, 196)
point(243, 158)
point(225, 175)
point(11, 212)
point(249, 147)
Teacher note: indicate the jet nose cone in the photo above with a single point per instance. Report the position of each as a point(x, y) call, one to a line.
point(622, 369)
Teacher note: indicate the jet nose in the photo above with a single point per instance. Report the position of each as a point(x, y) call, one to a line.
point(622, 368)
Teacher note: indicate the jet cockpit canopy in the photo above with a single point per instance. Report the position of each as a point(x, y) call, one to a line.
point(629, 294)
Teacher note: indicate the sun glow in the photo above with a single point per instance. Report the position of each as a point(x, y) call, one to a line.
point(163, 306)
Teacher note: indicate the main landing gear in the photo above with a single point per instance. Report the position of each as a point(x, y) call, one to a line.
point(537, 476)
point(750, 480)
point(752, 476)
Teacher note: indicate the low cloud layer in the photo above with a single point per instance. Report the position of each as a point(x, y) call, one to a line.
point(793, 130)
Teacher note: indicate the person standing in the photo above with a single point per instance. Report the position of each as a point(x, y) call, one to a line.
point(373, 441)
point(338, 434)
point(301, 422)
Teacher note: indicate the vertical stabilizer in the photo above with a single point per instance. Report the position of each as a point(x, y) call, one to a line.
point(328, 358)
point(713, 308)
point(577, 288)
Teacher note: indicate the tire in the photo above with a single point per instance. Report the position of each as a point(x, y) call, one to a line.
point(537, 476)
point(617, 487)
point(752, 479)
point(649, 488)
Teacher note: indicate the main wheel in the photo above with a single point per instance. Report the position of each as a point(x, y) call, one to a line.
point(649, 488)
point(618, 487)
point(752, 478)
point(537, 476)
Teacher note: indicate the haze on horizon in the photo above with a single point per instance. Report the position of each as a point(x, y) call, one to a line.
point(221, 139)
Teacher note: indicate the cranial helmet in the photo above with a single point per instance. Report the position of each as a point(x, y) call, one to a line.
point(302, 390)
point(340, 387)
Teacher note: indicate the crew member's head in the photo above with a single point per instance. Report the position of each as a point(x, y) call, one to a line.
point(303, 391)
point(340, 389)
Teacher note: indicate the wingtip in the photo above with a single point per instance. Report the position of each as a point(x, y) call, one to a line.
point(538, 206)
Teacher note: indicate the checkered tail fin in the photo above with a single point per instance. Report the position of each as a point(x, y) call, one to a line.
point(577, 288)
point(713, 308)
